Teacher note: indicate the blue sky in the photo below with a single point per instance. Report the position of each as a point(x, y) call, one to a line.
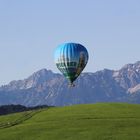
point(30, 30)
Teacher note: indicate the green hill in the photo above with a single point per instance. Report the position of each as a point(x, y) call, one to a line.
point(102, 121)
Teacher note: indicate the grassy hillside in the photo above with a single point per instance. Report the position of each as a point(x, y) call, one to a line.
point(105, 121)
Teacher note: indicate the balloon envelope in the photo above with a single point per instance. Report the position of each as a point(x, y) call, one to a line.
point(71, 59)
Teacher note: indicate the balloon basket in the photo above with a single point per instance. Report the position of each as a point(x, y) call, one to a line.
point(71, 85)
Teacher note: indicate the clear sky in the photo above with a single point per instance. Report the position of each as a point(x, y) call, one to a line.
point(30, 30)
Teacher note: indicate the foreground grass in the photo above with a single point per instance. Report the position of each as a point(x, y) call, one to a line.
point(105, 121)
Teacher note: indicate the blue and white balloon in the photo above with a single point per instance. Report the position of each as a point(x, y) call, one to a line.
point(71, 59)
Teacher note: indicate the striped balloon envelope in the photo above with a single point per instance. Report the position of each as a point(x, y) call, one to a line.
point(71, 59)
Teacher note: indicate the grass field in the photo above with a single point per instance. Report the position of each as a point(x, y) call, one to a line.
point(102, 121)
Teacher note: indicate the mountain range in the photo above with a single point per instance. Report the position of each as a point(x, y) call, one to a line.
point(47, 88)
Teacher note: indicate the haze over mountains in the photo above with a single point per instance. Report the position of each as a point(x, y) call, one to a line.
point(47, 88)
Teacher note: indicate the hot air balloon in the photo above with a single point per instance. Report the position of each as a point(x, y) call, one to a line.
point(71, 59)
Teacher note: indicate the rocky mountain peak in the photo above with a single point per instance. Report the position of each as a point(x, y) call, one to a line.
point(128, 76)
point(41, 76)
point(35, 80)
point(42, 72)
point(132, 67)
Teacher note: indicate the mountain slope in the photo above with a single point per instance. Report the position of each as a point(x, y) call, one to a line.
point(46, 87)
point(97, 121)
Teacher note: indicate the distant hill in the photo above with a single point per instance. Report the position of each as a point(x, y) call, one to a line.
point(102, 121)
point(8, 109)
point(47, 88)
